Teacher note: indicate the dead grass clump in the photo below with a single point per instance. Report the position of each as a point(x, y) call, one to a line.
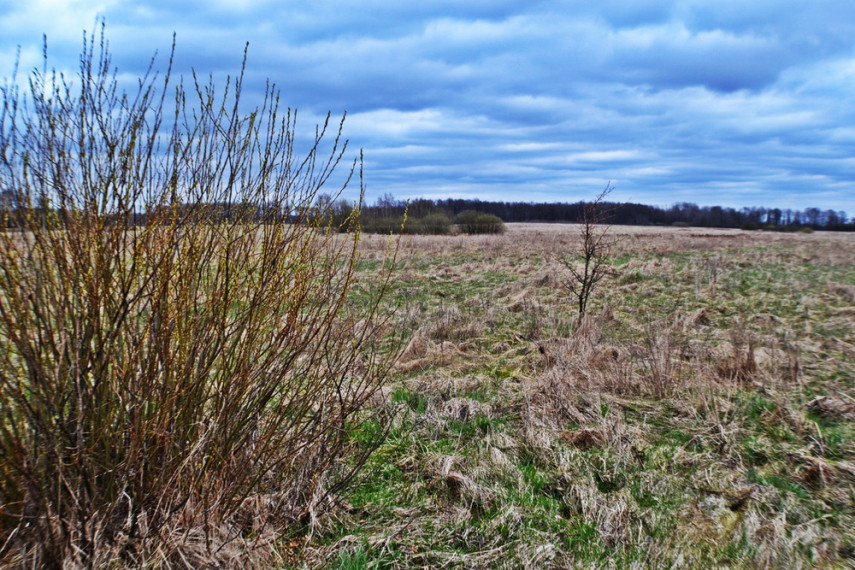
point(660, 353)
point(846, 469)
point(606, 355)
point(436, 387)
point(765, 319)
point(422, 353)
point(444, 349)
point(781, 542)
point(608, 503)
point(559, 397)
point(523, 301)
point(229, 547)
point(585, 438)
point(845, 312)
point(589, 330)
point(699, 318)
point(470, 330)
point(813, 472)
point(547, 277)
point(499, 459)
point(552, 399)
point(459, 488)
point(649, 267)
point(464, 409)
point(831, 408)
point(405, 367)
point(721, 517)
point(416, 348)
point(586, 360)
point(550, 350)
point(735, 360)
point(442, 325)
point(842, 290)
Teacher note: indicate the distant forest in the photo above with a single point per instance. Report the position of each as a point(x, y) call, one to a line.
point(682, 214)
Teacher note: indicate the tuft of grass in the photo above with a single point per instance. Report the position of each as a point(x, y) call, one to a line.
point(416, 402)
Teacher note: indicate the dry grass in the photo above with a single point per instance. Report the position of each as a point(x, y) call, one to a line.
point(698, 416)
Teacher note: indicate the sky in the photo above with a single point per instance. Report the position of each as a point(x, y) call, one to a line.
point(723, 102)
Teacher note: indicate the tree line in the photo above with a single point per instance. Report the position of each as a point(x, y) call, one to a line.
point(389, 211)
point(621, 213)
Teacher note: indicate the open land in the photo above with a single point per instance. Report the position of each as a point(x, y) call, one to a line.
point(702, 414)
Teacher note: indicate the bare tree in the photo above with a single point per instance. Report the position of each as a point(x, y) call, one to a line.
point(595, 244)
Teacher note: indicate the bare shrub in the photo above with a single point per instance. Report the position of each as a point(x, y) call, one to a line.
point(594, 248)
point(177, 351)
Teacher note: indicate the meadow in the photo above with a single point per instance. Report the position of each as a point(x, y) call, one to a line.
point(702, 413)
point(202, 366)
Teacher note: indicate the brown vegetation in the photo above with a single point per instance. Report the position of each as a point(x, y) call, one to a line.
point(182, 391)
point(695, 417)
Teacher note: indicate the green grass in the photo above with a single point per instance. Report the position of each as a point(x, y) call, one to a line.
point(416, 402)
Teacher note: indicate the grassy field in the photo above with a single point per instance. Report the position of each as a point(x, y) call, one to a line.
point(701, 415)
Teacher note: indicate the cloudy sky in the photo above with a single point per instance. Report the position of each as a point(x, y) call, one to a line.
point(725, 102)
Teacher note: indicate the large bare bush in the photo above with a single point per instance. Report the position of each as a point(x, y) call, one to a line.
point(180, 369)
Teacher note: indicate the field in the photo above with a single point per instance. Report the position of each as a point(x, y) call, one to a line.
point(700, 415)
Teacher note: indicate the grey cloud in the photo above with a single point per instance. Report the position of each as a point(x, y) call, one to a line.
point(718, 61)
point(713, 102)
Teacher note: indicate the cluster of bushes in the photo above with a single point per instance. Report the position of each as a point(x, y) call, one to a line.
point(776, 227)
point(473, 222)
point(433, 224)
point(437, 223)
